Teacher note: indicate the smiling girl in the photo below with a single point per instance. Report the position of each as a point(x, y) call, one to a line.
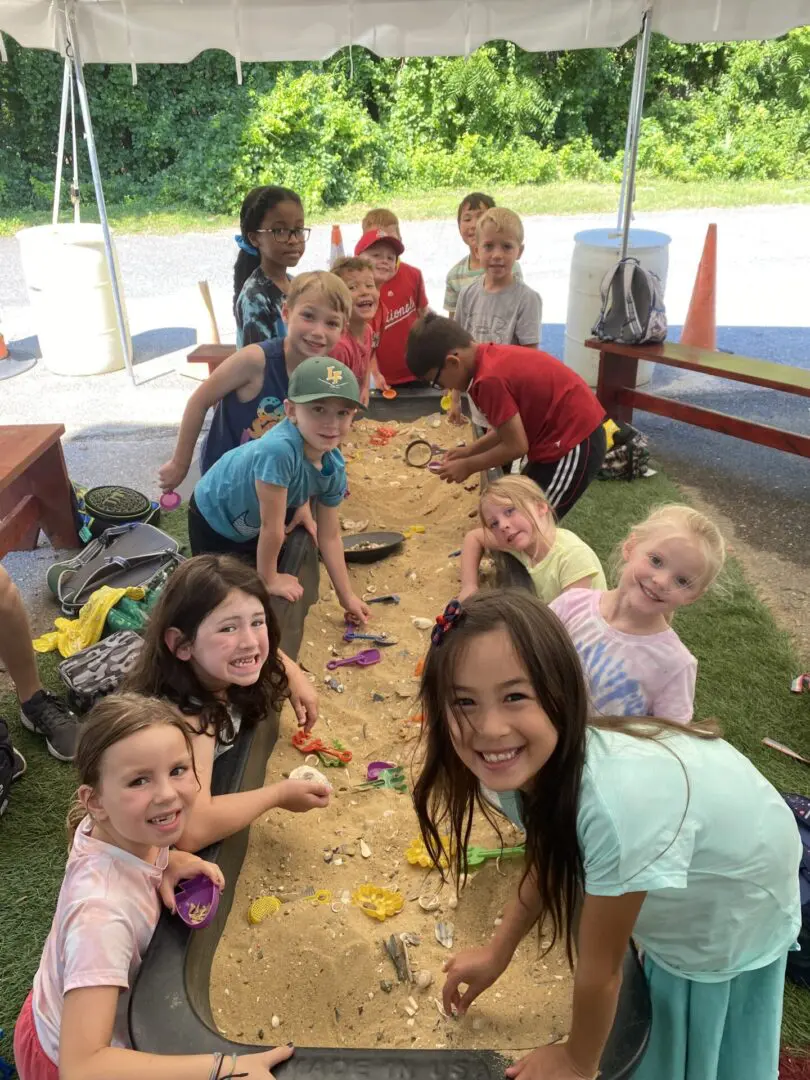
point(516, 517)
point(211, 649)
point(136, 789)
point(640, 828)
point(634, 662)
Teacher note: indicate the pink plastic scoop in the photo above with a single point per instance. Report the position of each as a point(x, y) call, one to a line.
point(170, 500)
point(362, 659)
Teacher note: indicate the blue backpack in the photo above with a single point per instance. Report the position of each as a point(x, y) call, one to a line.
point(798, 964)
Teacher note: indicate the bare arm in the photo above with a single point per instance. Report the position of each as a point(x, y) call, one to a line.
point(237, 372)
point(273, 510)
point(88, 1018)
point(604, 933)
point(472, 551)
point(508, 443)
point(214, 817)
point(334, 559)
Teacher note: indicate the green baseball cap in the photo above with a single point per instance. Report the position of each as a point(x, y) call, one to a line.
point(323, 377)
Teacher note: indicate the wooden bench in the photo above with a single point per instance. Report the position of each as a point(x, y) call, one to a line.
point(35, 491)
point(616, 389)
point(213, 355)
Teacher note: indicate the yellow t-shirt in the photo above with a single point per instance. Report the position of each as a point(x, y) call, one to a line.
point(569, 560)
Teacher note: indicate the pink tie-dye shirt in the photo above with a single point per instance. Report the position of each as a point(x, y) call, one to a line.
point(106, 914)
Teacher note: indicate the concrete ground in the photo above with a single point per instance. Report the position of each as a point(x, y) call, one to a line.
point(122, 433)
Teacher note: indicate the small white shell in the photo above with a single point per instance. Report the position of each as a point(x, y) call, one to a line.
point(452, 903)
point(365, 850)
point(444, 934)
point(422, 624)
point(423, 979)
point(429, 903)
point(306, 772)
point(275, 1022)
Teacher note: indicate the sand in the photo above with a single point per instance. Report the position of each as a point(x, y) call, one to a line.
point(321, 969)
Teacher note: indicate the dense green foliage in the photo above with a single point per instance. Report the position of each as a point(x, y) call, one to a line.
point(357, 126)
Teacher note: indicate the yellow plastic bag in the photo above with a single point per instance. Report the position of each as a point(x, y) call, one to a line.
point(610, 430)
point(73, 635)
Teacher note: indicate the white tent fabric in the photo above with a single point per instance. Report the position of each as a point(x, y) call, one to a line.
point(167, 31)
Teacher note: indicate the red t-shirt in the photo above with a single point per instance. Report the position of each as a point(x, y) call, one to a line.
point(401, 299)
point(557, 407)
point(356, 355)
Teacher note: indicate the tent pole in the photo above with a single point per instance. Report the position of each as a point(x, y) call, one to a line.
point(628, 133)
point(60, 150)
point(634, 124)
point(102, 208)
point(75, 197)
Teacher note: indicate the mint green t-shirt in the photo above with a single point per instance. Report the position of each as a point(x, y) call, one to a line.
point(718, 858)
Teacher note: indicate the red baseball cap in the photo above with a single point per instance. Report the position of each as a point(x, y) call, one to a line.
point(374, 236)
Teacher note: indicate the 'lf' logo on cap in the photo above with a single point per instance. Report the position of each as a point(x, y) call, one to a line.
point(334, 376)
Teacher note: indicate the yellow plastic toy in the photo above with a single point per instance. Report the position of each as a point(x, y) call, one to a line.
point(260, 909)
point(446, 402)
point(376, 902)
point(417, 854)
point(73, 635)
point(413, 530)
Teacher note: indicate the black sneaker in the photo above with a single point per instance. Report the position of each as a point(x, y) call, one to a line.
point(12, 766)
point(48, 715)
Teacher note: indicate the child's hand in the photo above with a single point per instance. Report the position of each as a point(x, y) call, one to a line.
point(298, 796)
point(548, 1063)
point(183, 865)
point(303, 516)
point(456, 416)
point(304, 700)
point(358, 612)
point(171, 475)
point(286, 586)
point(458, 453)
point(258, 1066)
point(454, 472)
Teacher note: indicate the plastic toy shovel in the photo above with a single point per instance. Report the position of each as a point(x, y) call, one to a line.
point(197, 901)
point(477, 856)
point(362, 659)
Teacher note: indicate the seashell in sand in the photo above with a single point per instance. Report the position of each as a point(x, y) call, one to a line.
point(423, 979)
point(444, 934)
point(422, 624)
point(365, 850)
point(429, 903)
point(306, 772)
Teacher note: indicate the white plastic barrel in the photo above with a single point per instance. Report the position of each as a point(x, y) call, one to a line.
point(69, 286)
point(595, 252)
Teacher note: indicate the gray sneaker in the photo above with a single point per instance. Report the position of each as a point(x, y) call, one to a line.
point(45, 714)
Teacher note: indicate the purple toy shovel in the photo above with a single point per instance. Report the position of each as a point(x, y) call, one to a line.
point(197, 901)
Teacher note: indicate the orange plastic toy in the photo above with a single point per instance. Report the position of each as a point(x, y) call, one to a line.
point(308, 744)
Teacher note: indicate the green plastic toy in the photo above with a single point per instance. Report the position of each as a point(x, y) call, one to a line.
point(393, 779)
point(477, 856)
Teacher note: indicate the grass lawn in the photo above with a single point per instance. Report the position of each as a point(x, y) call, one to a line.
point(745, 667)
point(563, 197)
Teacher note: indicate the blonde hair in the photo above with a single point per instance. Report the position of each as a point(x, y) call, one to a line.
point(504, 221)
point(677, 519)
point(351, 264)
point(380, 219)
point(522, 493)
point(109, 721)
point(327, 285)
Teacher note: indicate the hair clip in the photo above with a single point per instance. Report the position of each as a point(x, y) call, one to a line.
point(446, 621)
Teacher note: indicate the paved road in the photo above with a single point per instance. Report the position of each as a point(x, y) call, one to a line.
point(117, 431)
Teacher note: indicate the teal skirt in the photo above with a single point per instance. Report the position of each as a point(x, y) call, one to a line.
point(714, 1031)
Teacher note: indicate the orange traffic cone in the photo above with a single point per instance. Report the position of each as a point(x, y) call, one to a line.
point(336, 252)
point(700, 327)
point(3, 348)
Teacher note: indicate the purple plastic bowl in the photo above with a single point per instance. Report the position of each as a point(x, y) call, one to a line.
point(197, 890)
point(376, 767)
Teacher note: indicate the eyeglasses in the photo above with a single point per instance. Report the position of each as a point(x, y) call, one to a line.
point(285, 236)
point(434, 382)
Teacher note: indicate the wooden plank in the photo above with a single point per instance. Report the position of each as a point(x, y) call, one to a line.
point(747, 369)
point(788, 441)
point(19, 529)
point(21, 445)
point(207, 354)
point(616, 373)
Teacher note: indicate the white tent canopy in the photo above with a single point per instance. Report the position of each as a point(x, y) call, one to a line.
point(174, 31)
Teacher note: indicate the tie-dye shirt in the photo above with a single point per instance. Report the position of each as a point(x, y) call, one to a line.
point(628, 674)
point(107, 911)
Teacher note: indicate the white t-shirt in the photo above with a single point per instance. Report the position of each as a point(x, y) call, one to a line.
point(107, 911)
point(628, 674)
point(718, 857)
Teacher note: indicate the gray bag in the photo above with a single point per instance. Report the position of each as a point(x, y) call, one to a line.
point(126, 555)
point(632, 305)
point(99, 669)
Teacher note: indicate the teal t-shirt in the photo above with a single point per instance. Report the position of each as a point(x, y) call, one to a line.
point(718, 857)
point(226, 494)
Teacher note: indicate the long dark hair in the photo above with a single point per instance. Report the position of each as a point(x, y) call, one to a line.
point(255, 205)
point(447, 793)
point(191, 593)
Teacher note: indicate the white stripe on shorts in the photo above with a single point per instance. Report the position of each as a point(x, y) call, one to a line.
point(563, 475)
